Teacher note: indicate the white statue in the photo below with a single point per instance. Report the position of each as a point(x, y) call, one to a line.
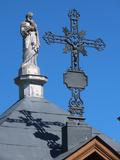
point(31, 43)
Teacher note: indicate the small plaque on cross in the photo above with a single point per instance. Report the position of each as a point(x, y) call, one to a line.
point(75, 79)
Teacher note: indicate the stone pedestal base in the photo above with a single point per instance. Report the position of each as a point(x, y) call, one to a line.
point(31, 85)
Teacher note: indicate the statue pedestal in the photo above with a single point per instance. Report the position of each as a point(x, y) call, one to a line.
point(31, 85)
point(30, 81)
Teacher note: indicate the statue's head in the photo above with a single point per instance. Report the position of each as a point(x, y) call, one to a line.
point(29, 15)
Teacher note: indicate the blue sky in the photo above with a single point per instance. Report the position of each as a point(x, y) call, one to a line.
point(99, 18)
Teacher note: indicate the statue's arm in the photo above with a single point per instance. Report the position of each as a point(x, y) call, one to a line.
point(24, 30)
point(33, 26)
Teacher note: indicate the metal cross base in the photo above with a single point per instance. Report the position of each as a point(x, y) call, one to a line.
point(76, 81)
point(75, 103)
point(76, 44)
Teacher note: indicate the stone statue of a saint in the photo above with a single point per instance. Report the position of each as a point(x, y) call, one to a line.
point(31, 42)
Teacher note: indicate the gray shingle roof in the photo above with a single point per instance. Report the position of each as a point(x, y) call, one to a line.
point(114, 145)
point(31, 129)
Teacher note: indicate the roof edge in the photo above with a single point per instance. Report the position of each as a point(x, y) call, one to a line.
point(6, 113)
point(76, 148)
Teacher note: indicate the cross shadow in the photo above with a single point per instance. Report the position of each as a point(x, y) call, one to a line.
point(41, 133)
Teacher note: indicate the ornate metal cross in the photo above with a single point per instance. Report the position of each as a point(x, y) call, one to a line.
point(75, 43)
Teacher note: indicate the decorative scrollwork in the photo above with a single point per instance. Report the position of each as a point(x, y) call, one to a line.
point(74, 14)
point(75, 103)
point(99, 44)
point(49, 37)
point(75, 43)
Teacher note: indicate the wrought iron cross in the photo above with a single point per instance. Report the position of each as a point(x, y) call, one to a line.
point(75, 43)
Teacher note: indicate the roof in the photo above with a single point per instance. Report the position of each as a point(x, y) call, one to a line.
point(95, 134)
point(93, 145)
point(32, 129)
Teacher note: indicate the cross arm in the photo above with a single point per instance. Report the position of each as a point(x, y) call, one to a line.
point(98, 43)
point(49, 37)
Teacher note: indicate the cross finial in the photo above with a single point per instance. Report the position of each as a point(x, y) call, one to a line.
point(74, 14)
point(76, 44)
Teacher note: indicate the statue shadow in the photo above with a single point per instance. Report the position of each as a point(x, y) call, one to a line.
point(41, 133)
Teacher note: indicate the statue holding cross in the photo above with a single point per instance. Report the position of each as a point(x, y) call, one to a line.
point(75, 43)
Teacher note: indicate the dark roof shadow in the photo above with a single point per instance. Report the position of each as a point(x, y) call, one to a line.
point(41, 133)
